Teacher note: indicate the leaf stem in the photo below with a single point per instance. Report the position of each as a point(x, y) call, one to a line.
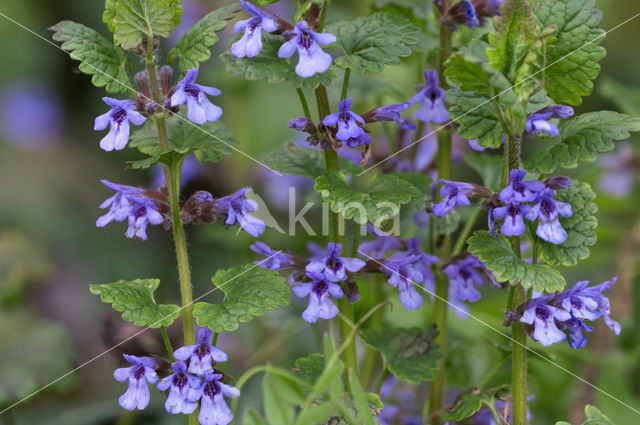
point(468, 227)
point(345, 84)
point(303, 102)
point(167, 343)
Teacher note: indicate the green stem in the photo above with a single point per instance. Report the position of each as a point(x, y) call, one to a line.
point(383, 375)
point(431, 412)
point(345, 84)
point(167, 343)
point(323, 16)
point(172, 178)
point(468, 227)
point(356, 240)
point(303, 102)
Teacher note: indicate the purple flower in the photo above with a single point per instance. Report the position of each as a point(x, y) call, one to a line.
point(311, 57)
point(213, 407)
point(433, 108)
point(543, 318)
point(348, 129)
point(275, 260)
point(179, 383)
point(201, 356)
point(139, 375)
point(122, 111)
point(590, 303)
point(403, 273)
point(513, 213)
point(391, 113)
point(423, 262)
point(318, 290)
point(452, 193)
point(538, 123)
point(333, 267)
point(130, 202)
point(237, 208)
point(620, 168)
point(521, 191)
point(547, 210)
point(199, 108)
point(380, 246)
point(251, 42)
point(463, 276)
point(464, 13)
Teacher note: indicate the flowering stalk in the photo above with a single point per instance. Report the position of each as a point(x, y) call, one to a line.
point(172, 178)
point(443, 159)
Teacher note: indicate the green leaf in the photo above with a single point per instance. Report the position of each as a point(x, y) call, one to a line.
point(582, 138)
point(506, 266)
point(97, 55)
point(134, 299)
point(251, 417)
point(136, 19)
point(580, 227)
point(515, 34)
point(371, 42)
point(386, 194)
point(35, 353)
point(593, 416)
point(268, 66)
point(318, 414)
point(310, 368)
point(109, 14)
point(409, 353)
point(469, 403)
point(210, 141)
point(264, 2)
point(625, 97)
point(249, 292)
point(573, 59)
point(305, 162)
point(360, 400)
point(278, 409)
point(488, 166)
point(193, 47)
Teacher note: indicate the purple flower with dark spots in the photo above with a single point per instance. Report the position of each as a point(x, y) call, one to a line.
point(142, 373)
point(179, 383)
point(423, 262)
point(122, 112)
point(318, 290)
point(543, 318)
point(464, 276)
point(464, 13)
point(558, 182)
point(311, 58)
point(237, 208)
point(547, 210)
point(130, 202)
point(519, 190)
point(403, 274)
point(350, 125)
point(538, 123)
point(431, 96)
point(199, 107)
point(390, 113)
point(513, 213)
point(333, 267)
point(452, 194)
point(589, 303)
point(251, 42)
point(380, 246)
point(201, 356)
point(275, 260)
point(213, 407)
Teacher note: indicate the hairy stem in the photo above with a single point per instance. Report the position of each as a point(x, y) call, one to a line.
point(167, 343)
point(431, 412)
point(172, 179)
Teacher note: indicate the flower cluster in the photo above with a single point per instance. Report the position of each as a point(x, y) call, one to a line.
point(550, 316)
point(194, 380)
point(539, 123)
point(299, 37)
point(543, 207)
point(464, 275)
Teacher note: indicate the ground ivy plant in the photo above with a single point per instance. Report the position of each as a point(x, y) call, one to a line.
point(504, 76)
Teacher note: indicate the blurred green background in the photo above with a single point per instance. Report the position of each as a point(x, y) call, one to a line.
point(50, 249)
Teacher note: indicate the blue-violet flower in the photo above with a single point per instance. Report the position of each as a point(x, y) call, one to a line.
point(139, 375)
point(199, 107)
point(307, 42)
point(213, 407)
point(546, 210)
point(318, 290)
point(201, 356)
point(122, 112)
point(333, 267)
point(519, 190)
point(349, 130)
point(403, 273)
point(275, 260)
point(538, 123)
point(251, 42)
point(237, 208)
point(179, 383)
point(452, 193)
point(431, 96)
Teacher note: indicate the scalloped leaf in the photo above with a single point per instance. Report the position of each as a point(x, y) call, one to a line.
point(488, 166)
point(98, 56)
point(268, 66)
point(373, 41)
point(506, 266)
point(193, 47)
point(249, 292)
point(134, 20)
point(409, 353)
point(305, 162)
point(469, 403)
point(593, 416)
point(386, 194)
point(580, 227)
point(582, 138)
point(210, 142)
point(134, 299)
point(573, 58)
